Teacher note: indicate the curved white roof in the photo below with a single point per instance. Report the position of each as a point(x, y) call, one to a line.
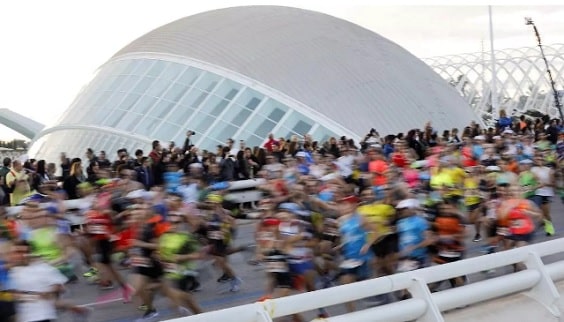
point(350, 74)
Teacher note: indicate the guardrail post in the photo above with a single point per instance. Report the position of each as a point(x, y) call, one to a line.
point(545, 292)
point(266, 310)
point(420, 290)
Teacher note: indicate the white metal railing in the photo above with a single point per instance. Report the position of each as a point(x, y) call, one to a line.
point(537, 280)
point(239, 192)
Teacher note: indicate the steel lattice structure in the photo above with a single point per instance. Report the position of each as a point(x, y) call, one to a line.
point(522, 82)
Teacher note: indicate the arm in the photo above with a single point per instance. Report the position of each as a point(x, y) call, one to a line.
point(428, 240)
point(372, 234)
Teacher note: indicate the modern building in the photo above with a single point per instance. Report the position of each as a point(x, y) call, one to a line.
point(245, 72)
point(522, 82)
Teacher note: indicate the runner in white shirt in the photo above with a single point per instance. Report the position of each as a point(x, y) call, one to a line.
point(37, 286)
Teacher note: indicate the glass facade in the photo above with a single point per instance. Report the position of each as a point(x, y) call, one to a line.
point(148, 99)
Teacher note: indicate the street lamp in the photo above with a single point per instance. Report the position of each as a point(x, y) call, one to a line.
point(529, 22)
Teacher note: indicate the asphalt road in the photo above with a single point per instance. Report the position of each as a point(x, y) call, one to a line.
point(107, 305)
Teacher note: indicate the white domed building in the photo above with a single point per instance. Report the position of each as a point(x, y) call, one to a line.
point(245, 72)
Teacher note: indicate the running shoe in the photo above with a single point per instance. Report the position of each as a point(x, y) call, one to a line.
point(477, 238)
point(196, 287)
point(149, 315)
point(323, 314)
point(105, 285)
point(80, 314)
point(236, 284)
point(91, 272)
point(143, 307)
point(548, 227)
point(72, 280)
point(184, 311)
point(224, 279)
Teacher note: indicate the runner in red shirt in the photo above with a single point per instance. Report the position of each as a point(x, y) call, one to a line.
point(99, 227)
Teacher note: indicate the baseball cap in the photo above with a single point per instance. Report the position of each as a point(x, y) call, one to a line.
point(408, 203)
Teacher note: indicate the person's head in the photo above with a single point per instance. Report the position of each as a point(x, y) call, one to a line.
point(407, 207)
point(17, 165)
point(538, 160)
point(174, 201)
point(51, 168)
point(266, 204)
point(76, 169)
point(215, 200)
point(139, 153)
point(348, 204)
point(89, 153)
point(176, 219)
point(20, 253)
point(41, 167)
point(7, 162)
point(156, 145)
point(229, 143)
point(102, 155)
point(367, 195)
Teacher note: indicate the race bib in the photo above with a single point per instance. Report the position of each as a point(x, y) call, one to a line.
point(330, 231)
point(140, 261)
point(28, 297)
point(503, 231)
point(517, 223)
point(276, 267)
point(171, 267)
point(97, 229)
point(215, 235)
point(449, 254)
point(265, 236)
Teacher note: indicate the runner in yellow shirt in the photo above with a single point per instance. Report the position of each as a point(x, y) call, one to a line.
point(382, 215)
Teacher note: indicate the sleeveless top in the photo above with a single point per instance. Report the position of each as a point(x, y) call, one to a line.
point(353, 237)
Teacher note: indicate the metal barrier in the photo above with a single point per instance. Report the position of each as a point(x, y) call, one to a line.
point(239, 192)
point(424, 306)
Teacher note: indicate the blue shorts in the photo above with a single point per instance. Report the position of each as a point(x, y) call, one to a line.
point(301, 268)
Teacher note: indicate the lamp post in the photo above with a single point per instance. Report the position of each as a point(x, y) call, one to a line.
point(529, 22)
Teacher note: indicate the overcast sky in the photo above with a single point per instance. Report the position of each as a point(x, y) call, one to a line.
point(50, 49)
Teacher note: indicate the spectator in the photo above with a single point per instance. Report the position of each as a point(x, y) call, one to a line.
point(270, 142)
point(103, 162)
point(75, 178)
point(17, 181)
point(3, 172)
point(65, 166)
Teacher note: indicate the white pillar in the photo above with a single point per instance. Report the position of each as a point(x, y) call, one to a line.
point(493, 85)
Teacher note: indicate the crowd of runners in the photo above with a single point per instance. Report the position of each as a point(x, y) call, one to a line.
point(332, 213)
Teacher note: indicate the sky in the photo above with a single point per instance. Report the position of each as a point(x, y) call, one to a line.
point(51, 49)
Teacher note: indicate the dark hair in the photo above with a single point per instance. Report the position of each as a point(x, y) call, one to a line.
point(41, 167)
point(155, 143)
point(138, 152)
point(7, 162)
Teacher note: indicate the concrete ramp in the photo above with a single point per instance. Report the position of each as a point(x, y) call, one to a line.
point(515, 308)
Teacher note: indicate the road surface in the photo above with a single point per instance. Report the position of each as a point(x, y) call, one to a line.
point(108, 307)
